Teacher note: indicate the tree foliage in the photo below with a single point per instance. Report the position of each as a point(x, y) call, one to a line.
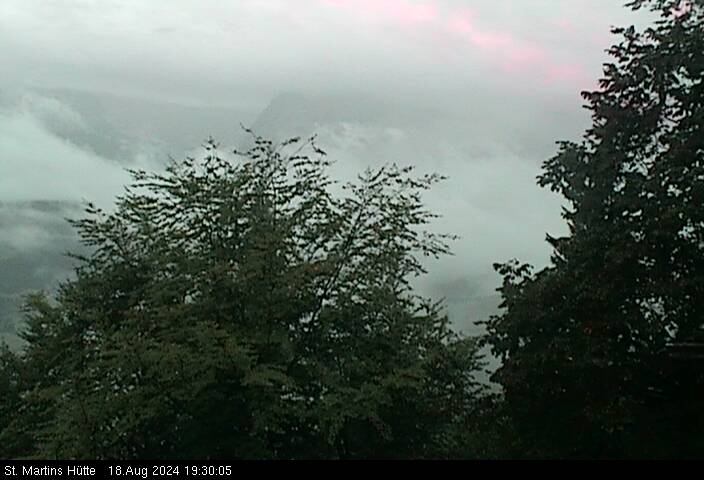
point(245, 307)
point(584, 341)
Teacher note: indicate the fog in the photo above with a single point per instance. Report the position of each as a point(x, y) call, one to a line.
point(476, 90)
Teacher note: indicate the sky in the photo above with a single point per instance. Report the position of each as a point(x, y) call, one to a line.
point(243, 50)
point(478, 90)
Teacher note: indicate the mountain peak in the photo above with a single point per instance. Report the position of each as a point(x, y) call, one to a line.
point(288, 114)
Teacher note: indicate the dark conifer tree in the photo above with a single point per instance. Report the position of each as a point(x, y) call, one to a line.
point(586, 370)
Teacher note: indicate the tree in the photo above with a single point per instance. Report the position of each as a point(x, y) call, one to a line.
point(9, 391)
point(584, 341)
point(241, 307)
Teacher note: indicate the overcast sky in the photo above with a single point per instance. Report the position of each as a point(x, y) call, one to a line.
point(243, 50)
point(478, 89)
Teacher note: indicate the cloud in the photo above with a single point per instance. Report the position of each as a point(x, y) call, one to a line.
point(489, 199)
point(36, 164)
point(475, 89)
point(249, 50)
point(468, 31)
point(43, 180)
point(401, 10)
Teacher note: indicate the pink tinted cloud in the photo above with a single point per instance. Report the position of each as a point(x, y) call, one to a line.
point(564, 24)
point(514, 54)
point(507, 51)
point(684, 7)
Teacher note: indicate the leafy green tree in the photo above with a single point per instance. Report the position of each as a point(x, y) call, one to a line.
point(584, 341)
point(246, 307)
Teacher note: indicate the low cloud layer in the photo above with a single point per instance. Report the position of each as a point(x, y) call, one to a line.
point(38, 165)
